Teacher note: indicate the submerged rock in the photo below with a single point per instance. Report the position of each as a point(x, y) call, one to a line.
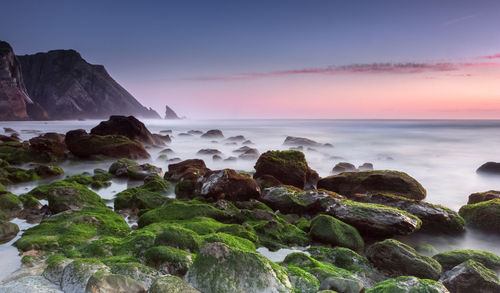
point(483, 215)
point(301, 141)
point(289, 167)
point(83, 145)
point(220, 269)
point(471, 276)
point(398, 259)
point(350, 183)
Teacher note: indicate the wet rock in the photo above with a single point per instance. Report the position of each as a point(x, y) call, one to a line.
point(452, 258)
point(77, 274)
point(231, 159)
point(164, 138)
point(228, 184)
point(344, 167)
point(366, 167)
point(126, 126)
point(216, 158)
point(289, 167)
point(471, 276)
point(300, 141)
point(185, 134)
point(398, 259)
point(5, 138)
point(237, 138)
point(242, 149)
point(8, 231)
point(214, 133)
point(291, 200)
point(167, 151)
point(489, 168)
point(171, 284)
point(10, 205)
point(266, 181)
point(371, 219)
point(350, 183)
point(36, 284)
point(136, 271)
point(55, 268)
point(406, 284)
point(247, 142)
point(168, 260)
point(483, 215)
point(251, 154)
point(111, 283)
point(483, 196)
point(131, 169)
point(9, 130)
point(220, 269)
point(208, 152)
point(435, 218)
point(147, 196)
point(174, 160)
point(84, 145)
point(195, 132)
point(329, 230)
point(186, 170)
point(303, 281)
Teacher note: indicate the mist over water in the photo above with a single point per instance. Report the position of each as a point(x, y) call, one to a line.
point(442, 155)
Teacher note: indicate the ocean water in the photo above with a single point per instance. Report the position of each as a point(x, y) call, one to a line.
point(442, 155)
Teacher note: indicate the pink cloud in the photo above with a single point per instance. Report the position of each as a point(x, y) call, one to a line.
point(495, 56)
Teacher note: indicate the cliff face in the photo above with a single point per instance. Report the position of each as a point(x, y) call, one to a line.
point(13, 96)
point(68, 87)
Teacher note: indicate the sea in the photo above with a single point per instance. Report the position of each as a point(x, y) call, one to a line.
point(443, 155)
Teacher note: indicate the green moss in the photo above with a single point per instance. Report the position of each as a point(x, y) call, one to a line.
point(10, 204)
point(302, 280)
point(2, 188)
point(405, 284)
point(178, 210)
point(233, 242)
point(121, 163)
point(303, 224)
point(243, 231)
point(18, 175)
point(201, 225)
point(320, 270)
point(329, 230)
point(96, 181)
point(177, 236)
point(29, 201)
point(483, 215)
point(185, 189)
point(450, 259)
point(65, 231)
point(290, 157)
point(168, 259)
point(340, 257)
point(275, 234)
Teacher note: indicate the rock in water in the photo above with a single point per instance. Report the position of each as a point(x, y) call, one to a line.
point(171, 284)
point(170, 114)
point(126, 126)
point(489, 168)
point(68, 87)
point(408, 284)
point(111, 283)
point(30, 284)
point(471, 276)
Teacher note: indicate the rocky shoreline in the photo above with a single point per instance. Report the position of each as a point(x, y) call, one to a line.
point(205, 239)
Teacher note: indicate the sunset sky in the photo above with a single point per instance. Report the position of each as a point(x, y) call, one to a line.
point(281, 59)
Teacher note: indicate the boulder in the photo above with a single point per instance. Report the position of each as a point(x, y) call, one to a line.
point(52, 146)
point(405, 284)
point(350, 183)
point(8, 231)
point(471, 276)
point(214, 133)
point(136, 271)
point(483, 215)
point(126, 126)
point(55, 268)
point(251, 154)
point(492, 168)
point(371, 219)
point(168, 260)
point(344, 167)
point(228, 184)
point(301, 141)
point(483, 196)
point(171, 284)
point(147, 196)
point(83, 145)
point(36, 284)
point(208, 152)
point(366, 167)
point(111, 283)
point(218, 268)
point(452, 258)
point(131, 169)
point(303, 281)
point(186, 170)
point(77, 274)
point(10, 204)
point(435, 218)
point(289, 167)
point(237, 138)
point(329, 230)
point(291, 200)
point(398, 259)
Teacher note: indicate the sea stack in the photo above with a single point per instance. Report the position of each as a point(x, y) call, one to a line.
point(170, 114)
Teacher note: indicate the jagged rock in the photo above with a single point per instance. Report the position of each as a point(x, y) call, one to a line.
point(289, 167)
point(483, 196)
point(84, 145)
point(126, 126)
point(398, 259)
point(170, 114)
point(471, 276)
point(88, 91)
point(350, 183)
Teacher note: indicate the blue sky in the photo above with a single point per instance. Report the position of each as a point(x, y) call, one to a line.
point(157, 44)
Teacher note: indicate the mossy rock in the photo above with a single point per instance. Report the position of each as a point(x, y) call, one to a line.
point(67, 230)
point(289, 167)
point(427, 249)
point(471, 276)
point(171, 284)
point(398, 259)
point(77, 274)
point(334, 232)
point(148, 196)
point(177, 236)
point(231, 241)
point(302, 280)
point(329, 276)
point(21, 153)
point(136, 271)
point(96, 181)
point(55, 268)
point(277, 233)
point(64, 195)
point(483, 215)
point(217, 268)
point(10, 204)
point(351, 183)
point(452, 258)
point(405, 284)
point(8, 231)
point(168, 260)
point(178, 210)
point(106, 282)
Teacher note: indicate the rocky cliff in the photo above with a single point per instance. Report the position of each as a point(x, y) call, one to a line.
point(68, 87)
point(170, 113)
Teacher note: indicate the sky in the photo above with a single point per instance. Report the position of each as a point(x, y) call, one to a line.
point(281, 59)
